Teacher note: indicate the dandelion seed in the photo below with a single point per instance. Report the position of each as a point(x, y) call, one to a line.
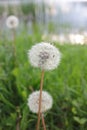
point(46, 103)
point(12, 22)
point(44, 56)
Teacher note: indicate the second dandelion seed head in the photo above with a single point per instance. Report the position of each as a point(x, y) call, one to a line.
point(46, 103)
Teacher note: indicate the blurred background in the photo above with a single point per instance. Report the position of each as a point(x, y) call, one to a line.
point(64, 24)
point(64, 21)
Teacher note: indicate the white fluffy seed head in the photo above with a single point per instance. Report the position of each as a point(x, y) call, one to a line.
point(44, 56)
point(12, 22)
point(46, 103)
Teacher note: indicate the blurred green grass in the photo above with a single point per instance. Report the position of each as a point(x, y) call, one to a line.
point(67, 84)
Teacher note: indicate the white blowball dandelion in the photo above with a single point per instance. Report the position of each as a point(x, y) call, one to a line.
point(46, 103)
point(12, 22)
point(44, 56)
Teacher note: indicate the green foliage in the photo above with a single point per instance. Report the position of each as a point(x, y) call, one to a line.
point(51, 27)
point(67, 84)
point(10, 10)
point(1, 10)
point(28, 8)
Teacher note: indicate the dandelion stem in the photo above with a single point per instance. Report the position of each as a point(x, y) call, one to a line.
point(40, 99)
point(14, 46)
point(13, 35)
point(18, 119)
point(43, 121)
point(18, 124)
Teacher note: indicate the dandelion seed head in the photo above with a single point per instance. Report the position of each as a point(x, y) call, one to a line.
point(12, 22)
point(46, 103)
point(44, 56)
